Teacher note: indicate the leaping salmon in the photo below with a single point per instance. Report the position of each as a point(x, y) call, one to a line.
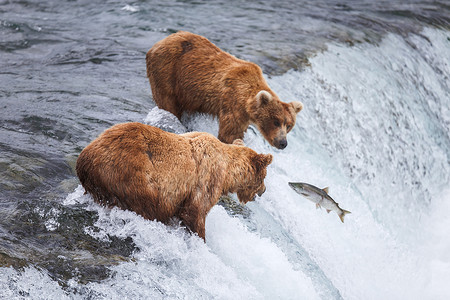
point(319, 196)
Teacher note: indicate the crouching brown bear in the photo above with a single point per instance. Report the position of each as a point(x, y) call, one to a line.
point(161, 175)
point(188, 73)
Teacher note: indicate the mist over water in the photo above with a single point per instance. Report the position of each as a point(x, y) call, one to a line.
point(373, 78)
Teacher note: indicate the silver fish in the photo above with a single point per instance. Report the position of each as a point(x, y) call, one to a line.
point(319, 196)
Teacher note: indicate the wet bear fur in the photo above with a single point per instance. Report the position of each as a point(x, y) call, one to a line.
point(161, 175)
point(188, 73)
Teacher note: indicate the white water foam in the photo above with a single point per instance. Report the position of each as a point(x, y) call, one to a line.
point(375, 128)
point(30, 283)
point(233, 264)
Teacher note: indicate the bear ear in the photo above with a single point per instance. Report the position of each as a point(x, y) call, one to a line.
point(262, 160)
point(238, 142)
point(263, 97)
point(267, 159)
point(297, 105)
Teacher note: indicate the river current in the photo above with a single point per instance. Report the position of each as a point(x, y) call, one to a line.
point(374, 80)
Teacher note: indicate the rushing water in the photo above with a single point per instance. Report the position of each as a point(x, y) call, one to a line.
point(374, 80)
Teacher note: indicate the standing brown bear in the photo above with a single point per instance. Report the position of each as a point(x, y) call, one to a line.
point(188, 73)
point(160, 175)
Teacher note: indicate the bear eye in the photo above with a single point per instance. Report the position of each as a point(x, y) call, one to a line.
point(288, 127)
point(276, 123)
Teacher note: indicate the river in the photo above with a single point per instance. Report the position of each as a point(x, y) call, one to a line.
point(374, 80)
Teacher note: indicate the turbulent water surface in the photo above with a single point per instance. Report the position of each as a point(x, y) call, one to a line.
point(374, 80)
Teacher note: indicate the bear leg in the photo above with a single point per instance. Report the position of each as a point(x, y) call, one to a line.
point(193, 219)
point(230, 130)
point(168, 103)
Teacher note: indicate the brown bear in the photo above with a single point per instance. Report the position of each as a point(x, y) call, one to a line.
point(188, 73)
point(161, 175)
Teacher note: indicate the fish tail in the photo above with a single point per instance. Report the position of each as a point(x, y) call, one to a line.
point(344, 212)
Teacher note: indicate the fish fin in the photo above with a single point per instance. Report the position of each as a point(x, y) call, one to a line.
point(328, 211)
point(325, 189)
point(344, 212)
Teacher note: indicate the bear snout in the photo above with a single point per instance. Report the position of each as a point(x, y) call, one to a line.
point(261, 191)
point(280, 143)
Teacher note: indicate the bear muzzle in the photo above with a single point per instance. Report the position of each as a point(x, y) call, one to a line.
point(261, 191)
point(280, 143)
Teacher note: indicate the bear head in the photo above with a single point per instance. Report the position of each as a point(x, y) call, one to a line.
point(254, 181)
point(274, 118)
